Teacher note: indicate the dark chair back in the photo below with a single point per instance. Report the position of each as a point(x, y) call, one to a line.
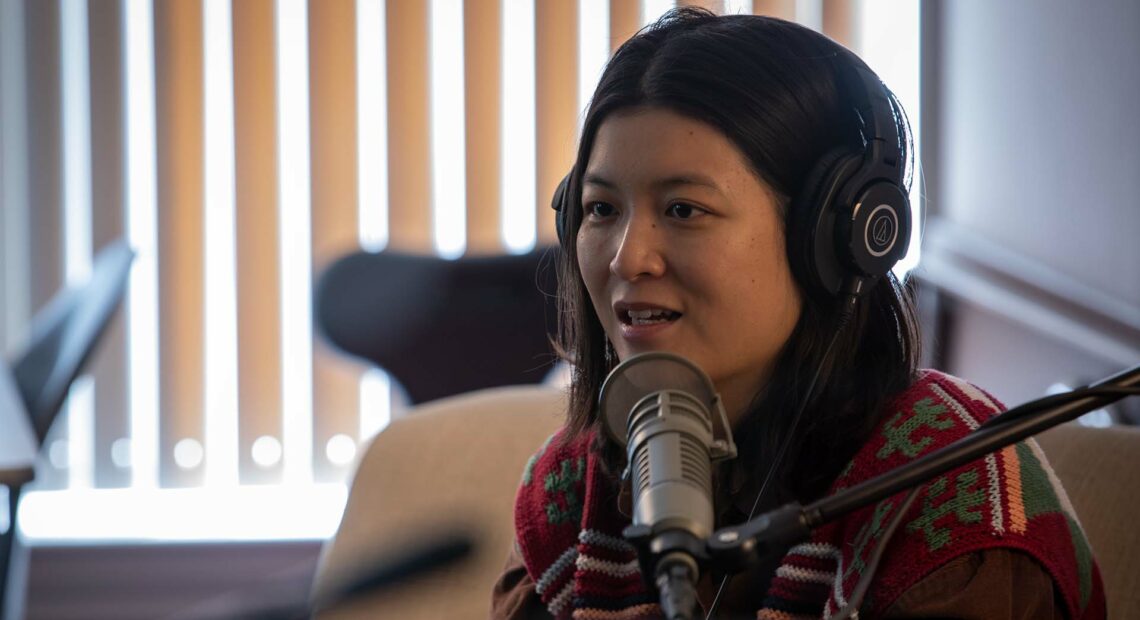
point(443, 327)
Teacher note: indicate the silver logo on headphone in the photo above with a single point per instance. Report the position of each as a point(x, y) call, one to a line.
point(881, 231)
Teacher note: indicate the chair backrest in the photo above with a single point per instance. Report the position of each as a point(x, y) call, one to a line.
point(1100, 470)
point(64, 335)
point(18, 443)
point(453, 464)
point(443, 327)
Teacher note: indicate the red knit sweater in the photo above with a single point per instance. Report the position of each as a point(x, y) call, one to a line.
point(569, 529)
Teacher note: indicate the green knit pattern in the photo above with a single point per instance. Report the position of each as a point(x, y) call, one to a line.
point(528, 472)
point(564, 481)
point(900, 437)
point(964, 503)
point(867, 535)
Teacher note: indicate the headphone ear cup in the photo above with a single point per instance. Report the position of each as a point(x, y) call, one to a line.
point(876, 229)
point(558, 202)
point(812, 252)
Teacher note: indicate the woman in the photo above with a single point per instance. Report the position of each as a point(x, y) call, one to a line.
point(688, 226)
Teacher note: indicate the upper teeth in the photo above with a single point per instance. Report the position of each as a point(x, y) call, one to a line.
point(647, 314)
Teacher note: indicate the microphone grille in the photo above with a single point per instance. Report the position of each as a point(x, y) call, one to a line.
point(696, 467)
point(681, 426)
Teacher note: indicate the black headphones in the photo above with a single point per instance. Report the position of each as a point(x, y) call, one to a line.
point(850, 223)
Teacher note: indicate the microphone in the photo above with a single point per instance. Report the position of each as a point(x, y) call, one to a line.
point(662, 408)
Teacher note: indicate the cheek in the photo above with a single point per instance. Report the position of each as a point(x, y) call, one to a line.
point(778, 302)
point(761, 288)
point(594, 267)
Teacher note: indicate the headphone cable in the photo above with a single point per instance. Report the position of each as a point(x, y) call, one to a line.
point(849, 303)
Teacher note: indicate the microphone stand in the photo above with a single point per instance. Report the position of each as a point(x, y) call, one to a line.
point(737, 547)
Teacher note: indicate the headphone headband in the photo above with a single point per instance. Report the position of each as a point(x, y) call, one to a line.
point(876, 115)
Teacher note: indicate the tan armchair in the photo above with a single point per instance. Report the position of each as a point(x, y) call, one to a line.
point(458, 462)
point(1100, 470)
point(452, 463)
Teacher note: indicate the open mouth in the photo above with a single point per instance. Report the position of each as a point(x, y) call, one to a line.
point(653, 316)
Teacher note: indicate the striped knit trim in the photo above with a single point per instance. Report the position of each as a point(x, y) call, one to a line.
point(1054, 481)
point(646, 610)
point(822, 551)
point(959, 410)
point(972, 391)
point(796, 573)
point(550, 575)
point(993, 485)
point(598, 539)
point(614, 569)
point(837, 593)
point(790, 578)
point(994, 488)
point(558, 604)
point(1012, 466)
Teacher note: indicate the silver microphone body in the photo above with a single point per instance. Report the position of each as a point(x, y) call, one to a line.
point(670, 437)
point(664, 410)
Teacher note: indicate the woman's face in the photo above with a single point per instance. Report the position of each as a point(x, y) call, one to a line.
point(681, 249)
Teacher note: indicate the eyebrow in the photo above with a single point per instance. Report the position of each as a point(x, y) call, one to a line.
point(673, 181)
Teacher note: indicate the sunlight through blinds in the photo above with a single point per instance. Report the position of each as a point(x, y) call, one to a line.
point(241, 147)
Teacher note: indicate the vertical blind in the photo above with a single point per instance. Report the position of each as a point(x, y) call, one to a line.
point(241, 146)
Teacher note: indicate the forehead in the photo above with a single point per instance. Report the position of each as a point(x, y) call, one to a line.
point(652, 141)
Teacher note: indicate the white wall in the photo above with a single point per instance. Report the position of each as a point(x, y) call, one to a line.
point(1038, 149)
point(14, 304)
point(1040, 136)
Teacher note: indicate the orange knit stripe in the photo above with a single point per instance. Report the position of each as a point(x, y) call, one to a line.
point(646, 610)
point(1012, 467)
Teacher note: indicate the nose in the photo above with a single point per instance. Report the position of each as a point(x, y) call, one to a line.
point(640, 253)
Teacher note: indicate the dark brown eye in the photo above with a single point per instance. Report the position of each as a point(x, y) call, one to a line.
point(600, 209)
point(683, 211)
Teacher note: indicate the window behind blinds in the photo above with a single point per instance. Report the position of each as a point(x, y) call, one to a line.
point(242, 146)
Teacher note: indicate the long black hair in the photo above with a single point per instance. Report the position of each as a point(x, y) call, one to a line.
point(771, 87)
